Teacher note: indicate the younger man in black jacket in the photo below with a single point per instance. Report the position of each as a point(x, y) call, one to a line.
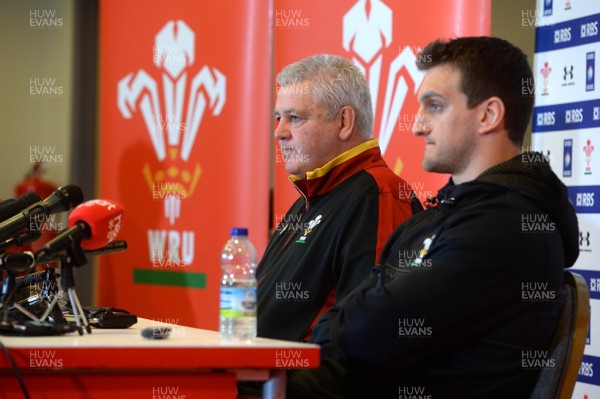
point(468, 289)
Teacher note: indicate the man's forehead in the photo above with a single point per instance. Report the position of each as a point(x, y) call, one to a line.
point(294, 83)
point(439, 81)
point(293, 97)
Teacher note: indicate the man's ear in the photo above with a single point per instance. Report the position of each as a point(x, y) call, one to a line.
point(347, 120)
point(492, 115)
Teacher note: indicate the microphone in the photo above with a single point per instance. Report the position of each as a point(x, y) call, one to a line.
point(17, 262)
point(21, 238)
point(94, 224)
point(115, 246)
point(63, 199)
point(13, 263)
point(11, 207)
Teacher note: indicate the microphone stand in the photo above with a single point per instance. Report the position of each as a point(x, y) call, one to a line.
point(74, 257)
point(8, 290)
point(35, 326)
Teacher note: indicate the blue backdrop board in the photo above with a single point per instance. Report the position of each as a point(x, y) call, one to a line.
point(566, 127)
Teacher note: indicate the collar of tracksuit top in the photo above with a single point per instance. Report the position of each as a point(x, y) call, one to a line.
point(321, 180)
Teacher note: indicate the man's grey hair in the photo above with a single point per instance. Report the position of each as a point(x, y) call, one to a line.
point(335, 82)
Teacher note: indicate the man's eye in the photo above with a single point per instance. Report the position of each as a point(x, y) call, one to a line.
point(294, 118)
point(434, 107)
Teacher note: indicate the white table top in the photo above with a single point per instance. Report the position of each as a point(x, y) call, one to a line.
point(180, 336)
point(185, 348)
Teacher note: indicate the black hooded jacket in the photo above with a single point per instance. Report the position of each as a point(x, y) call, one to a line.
point(467, 294)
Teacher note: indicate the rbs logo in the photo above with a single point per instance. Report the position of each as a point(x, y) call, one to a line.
point(574, 115)
point(589, 29)
point(562, 35)
point(585, 199)
point(546, 119)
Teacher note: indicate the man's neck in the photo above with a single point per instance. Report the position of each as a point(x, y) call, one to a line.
point(484, 160)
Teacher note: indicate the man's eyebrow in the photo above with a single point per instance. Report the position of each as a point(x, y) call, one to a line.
point(286, 111)
point(428, 95)
point(278, 113)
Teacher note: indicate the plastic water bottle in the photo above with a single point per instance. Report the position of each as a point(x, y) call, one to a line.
point(238, 288)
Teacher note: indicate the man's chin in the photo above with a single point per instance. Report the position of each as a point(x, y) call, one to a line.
point(431, 166)
point(295, 172)
point(427, 165)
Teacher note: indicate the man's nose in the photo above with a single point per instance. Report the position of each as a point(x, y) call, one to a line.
point(420, 127)
point(282, 132)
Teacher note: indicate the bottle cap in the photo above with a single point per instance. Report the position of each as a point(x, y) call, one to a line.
point(239, 231)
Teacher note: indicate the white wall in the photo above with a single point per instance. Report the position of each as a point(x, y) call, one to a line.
point(32, 50)
point(510, 22)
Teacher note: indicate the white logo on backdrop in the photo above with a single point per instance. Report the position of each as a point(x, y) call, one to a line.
point(169, 131)
point(367, 32)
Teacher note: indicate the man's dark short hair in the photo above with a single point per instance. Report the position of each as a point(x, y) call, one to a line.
point(488, 67)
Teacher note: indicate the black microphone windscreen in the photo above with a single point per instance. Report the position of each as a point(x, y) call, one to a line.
point(74, 194)
point(17, 262)
point(10, 208)
point(63, 199)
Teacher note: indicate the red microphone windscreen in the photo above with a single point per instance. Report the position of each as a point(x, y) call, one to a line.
point(104, 219)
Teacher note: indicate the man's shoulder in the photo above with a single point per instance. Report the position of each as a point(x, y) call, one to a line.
point(376, 180)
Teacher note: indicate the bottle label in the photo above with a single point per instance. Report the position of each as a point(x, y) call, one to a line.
point(238, 302)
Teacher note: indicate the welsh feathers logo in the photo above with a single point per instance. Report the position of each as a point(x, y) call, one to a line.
point(309, 229)
point(173, 121)
point(545, 71)
point(588, 149)
point(367, 33)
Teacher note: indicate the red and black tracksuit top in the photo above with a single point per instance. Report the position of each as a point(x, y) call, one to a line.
point(329, 239)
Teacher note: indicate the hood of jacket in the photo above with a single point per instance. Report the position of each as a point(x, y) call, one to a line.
point(529, 174)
